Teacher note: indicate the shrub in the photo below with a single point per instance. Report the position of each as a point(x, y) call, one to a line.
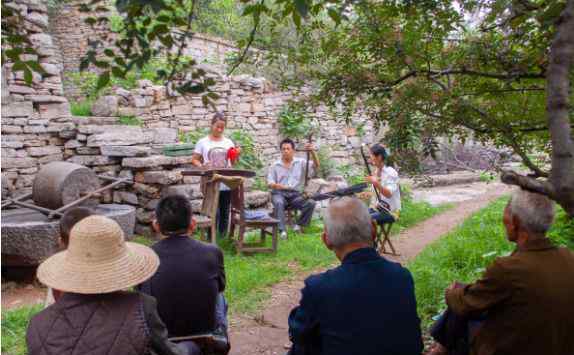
point(81, 108)
point(130, 121)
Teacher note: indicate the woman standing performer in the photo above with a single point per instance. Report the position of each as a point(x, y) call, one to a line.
point(386, 181)
point(211, 151)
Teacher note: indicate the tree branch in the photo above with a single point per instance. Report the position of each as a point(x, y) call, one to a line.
point(247, 46)
point(528, 183)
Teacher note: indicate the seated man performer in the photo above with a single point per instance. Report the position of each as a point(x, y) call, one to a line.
point(522, 305)
point(364, 306)
point(190, 281)
point(386, 182)
point(286, 180)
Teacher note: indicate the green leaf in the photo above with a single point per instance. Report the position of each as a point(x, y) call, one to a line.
point(118, 72)
point(35, 66)
point(109, 52)
point(84, 64)
point(297, 20)
point(28, 77)
point(163, 18)
point(302, 7)
point(90, 21)
point(334, 15)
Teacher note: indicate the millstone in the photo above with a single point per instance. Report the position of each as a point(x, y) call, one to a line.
point(60, 183)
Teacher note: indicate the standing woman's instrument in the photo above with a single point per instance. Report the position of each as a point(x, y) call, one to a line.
point(382, 206)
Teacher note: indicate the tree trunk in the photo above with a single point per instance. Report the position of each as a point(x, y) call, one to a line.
point(560, 185)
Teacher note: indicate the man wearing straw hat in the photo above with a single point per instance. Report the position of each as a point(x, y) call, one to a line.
point(94, 315)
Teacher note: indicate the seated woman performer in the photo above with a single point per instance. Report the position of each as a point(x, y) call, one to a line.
point(386, 181)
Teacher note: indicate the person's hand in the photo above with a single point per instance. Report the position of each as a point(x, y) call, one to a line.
point(310, 147)
point(371, 179)
point(451, 287)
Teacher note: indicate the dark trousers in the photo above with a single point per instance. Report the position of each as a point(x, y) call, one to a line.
point(455, 332)
point(222, 218)
point(381, 217)
point(288, 199)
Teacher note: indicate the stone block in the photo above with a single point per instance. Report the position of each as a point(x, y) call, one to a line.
point(154, 161)
point(8, 144)
point(8, 163)
point(164, 135)
point(125, 151)
point(54, 110)
point(91, 160)
point(51, 69)
point(164, 177)
point(121, 136)
point(190, 191)
point(72, 144)
point(126, 197)
point(144, 216)
point(182, 110)
point(35, 129)
point(18, 109)
point(106, 106)
point(7, 129)
point(21, 89)
point(126, 174)
point(38, 122)
point(43, 151)
point(147, 190)
point(88, 150)
point(50, 158)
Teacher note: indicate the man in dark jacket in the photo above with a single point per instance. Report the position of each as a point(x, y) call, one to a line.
point(366, 305)
point(93, 315)
point(190, 280)
point(524, 300)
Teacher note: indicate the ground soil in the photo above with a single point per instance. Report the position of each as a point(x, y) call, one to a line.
point(266, 333)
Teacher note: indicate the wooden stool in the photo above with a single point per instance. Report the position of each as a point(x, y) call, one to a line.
point(383, 237)
point(268, 226)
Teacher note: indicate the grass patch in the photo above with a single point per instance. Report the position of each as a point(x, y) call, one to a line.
point(14, 324)
point(130, 121)
point(463, 254)
point(249, 277)
point(81, 108)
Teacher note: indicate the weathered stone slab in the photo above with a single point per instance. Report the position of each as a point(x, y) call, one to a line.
point(88, 150)
point(189, 191)
point(8, 144)
point(125, 197)
point(42, 151)
point(105, 106)
point(54, 110)
point(154, 161)
point(8, 163)
point(91, 160)
point(11, 129)
point(50, 158)
point(165, 177)
point(164, 135)
point(47, 98)
point(121, 136)
point(72, 144)
point(125, 151)
point(18, 109)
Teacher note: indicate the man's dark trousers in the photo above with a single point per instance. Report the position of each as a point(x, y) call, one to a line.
point(291, 199)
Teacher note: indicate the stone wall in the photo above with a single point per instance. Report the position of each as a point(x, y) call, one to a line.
point(72, 36)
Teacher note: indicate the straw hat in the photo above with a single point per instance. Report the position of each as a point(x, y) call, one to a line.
point(98, 260)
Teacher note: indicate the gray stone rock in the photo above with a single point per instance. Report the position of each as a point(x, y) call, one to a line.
point(105, 106)
point(125, 151)
point(88, 150)
point(54, 110)
point(164, 177)
point(42, 151)
point(121, 136)
point(154, 161)
point(72, 144)
point(164, 135)
point(21, 89)
point(147, 190)
point(8, 144)
point(8, 163)
point(126, 197)
point(50, 158)
point(51, 69)
point(11, 129)
point(190, 191)
point(143, 216)
point(256, 199)
point(18, 109)
point(47, 98)
point(91, 160)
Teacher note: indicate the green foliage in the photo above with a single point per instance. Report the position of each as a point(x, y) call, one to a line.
point(130, 121)
point(487, 176)
point(326, 163)
point(352, 174)
point(81, 108)
point(294, 122)
point(463, 254)
point(14, 325)
point(193, 136)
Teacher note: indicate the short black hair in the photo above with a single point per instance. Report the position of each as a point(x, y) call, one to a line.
point(287, 141)
point(173, 214)
point(379, 150)
point(69, 220)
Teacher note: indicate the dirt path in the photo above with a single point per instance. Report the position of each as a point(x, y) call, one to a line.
point(266, 333)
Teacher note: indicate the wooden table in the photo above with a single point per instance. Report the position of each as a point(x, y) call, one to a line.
point(210, 189)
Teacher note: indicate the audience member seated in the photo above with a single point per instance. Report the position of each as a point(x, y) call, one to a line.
point(94, 315)
point(523, 303)
point(68, 220)
point(286, 178)
point(364, 306)
point(191, 277)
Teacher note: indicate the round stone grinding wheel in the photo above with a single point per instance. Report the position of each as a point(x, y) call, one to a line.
point(60, 183)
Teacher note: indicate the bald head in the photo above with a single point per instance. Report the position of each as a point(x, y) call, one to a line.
point(347, 221)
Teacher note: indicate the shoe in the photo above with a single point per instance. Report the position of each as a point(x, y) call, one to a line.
point(283, 235)
point(297, 228)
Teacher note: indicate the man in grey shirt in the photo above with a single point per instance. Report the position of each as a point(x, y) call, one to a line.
point(286, 179)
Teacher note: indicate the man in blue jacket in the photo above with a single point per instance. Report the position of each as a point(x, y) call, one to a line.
point(364, 306)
